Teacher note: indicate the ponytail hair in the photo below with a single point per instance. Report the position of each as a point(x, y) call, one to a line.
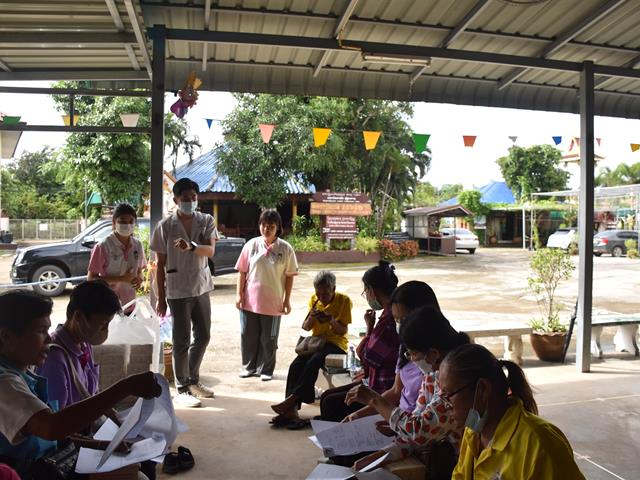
point(472, 362)
point(381, 277)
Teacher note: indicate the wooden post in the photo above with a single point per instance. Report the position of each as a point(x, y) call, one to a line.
point(215, 213)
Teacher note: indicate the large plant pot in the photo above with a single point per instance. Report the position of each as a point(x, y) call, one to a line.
point(549, 346)
point(168, 364)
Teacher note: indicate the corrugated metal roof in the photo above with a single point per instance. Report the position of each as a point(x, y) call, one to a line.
point(492, 192)
point(453, 210)
point(203, 171)
point(573, 31)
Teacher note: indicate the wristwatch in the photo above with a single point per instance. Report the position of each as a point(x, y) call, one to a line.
point(194, 245)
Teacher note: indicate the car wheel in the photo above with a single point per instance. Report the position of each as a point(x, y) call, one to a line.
point(597, 254)
point(472, 251)
point(49, 272)
point(617, 251)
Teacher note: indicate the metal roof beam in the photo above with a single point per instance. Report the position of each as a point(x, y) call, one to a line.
point(566, 36)
point(64, 74)
point(43, 39)
point(139, 35)
point(631, 64)
point(314, 43)
point(70, 129)
point(4, 66)
point(117, 20)
point(205, 46)
point(337, 32)
point(89, 92)
point(391, 23)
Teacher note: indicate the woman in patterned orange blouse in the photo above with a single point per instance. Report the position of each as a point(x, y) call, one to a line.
point(428, 337)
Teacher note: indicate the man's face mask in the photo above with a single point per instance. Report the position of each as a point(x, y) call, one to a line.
point(476, 422)
point(188, 207)
point(93, 334)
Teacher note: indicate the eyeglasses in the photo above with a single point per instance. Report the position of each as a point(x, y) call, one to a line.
point(446, 397)
point(408, 354)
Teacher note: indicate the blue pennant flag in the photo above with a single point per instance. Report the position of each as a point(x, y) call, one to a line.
point(209, 121)
point(557, 140)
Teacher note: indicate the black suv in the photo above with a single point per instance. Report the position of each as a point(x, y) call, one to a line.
point(612, 241)
point(71, 258)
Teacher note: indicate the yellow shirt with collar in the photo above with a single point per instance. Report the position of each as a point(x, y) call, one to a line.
point(524, 447)
point(340, 309)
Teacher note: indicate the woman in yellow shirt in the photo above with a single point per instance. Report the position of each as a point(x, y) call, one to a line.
point(329, 316)
point(504, 438)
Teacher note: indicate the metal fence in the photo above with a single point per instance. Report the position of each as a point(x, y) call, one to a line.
point(44, 229)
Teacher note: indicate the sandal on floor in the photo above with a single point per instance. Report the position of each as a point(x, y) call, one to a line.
point(299, 424)
point(185, 459)
point(171, 463)
point(280, 421)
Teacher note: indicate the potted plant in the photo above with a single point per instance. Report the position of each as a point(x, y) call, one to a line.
point(549, 267)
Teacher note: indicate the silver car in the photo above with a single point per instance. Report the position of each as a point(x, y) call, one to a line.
point(465, 239)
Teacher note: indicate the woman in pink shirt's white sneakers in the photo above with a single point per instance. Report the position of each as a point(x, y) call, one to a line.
point(267, 266)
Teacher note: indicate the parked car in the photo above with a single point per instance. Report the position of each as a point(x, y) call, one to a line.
point(465, 239)
point(71, 258)
point(612, 241)
point(563, 238)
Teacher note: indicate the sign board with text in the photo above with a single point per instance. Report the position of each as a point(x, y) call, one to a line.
point(340, 204)
point(339, 228)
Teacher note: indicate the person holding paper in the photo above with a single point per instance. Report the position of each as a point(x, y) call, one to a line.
point(378, 350)
point(503, 436)
point(428, 337)
point(329, 317)
point(119, 259)
point(29, 423)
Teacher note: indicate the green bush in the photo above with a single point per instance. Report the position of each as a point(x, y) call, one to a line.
point(392, 251)
point(631, 244)
point(310, 243)
point(366, 245)
point(632, 253)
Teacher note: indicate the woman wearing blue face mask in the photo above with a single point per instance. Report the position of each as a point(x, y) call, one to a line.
point(428, 337)
point(504, 437)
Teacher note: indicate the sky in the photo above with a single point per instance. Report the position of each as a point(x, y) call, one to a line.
point(451, 161)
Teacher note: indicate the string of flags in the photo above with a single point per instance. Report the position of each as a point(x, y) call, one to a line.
point(420, 140)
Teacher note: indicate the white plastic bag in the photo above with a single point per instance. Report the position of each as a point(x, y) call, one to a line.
point(140, 327)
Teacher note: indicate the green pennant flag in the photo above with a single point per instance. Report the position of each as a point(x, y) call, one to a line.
point(420, 140)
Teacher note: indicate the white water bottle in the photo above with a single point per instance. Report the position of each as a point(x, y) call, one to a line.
point(351, 360)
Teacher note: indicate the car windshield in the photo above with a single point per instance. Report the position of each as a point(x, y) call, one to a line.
point(459, 231)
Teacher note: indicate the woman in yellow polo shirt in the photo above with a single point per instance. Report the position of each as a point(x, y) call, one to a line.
point(504, 438)
point(329, 316)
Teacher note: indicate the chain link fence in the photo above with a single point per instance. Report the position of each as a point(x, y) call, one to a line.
point(44, 229)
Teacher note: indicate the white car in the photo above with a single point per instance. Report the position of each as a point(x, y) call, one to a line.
point(465, 239)
point(563, 238)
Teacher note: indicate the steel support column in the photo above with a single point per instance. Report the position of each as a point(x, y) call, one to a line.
point(157, 124)
point(585, 217)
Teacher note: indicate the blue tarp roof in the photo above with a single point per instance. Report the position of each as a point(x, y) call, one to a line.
point(203, 171)
point(492, 192)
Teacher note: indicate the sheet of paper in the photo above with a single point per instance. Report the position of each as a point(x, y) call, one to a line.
point(128, 423)
point(375, 463)
point(320, 425)
point(379, 474)
point(146, 449)
point(325, 471)
point(353, 437)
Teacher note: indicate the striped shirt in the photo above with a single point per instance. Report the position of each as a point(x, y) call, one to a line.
point(379, 353)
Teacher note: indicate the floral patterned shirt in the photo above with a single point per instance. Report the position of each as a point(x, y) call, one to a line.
point(432, 420)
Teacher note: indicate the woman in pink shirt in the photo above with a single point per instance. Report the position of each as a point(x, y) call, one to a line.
point(267, 265)
point(119, 259)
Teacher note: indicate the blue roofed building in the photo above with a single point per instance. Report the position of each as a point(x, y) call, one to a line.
point(233, 216)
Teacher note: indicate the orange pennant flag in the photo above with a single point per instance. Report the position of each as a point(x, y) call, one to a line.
point(266, 130)
point(370, 139)
point(320, 136)
point(635, 147)
point(469, 140)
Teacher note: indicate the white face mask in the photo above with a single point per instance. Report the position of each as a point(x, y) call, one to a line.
point(125, 229)
point(398, 327)
point(425, 367)
point(188, 207)
point(476, 422)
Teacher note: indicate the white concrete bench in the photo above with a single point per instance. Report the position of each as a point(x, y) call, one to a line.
point(625, 337)
point(512, 331)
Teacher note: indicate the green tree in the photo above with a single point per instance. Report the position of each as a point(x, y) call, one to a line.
point(623, 174)
point(533, 169)
point(259, 171)
point(471, 200)
point(428, 195)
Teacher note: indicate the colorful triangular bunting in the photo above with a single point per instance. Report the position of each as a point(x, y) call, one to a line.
point(513, 139)
point(320, 136)
point(266, 130)
point(469, 140)
point(635, 147)
point(129, 119)
point(209, 121)
point(370, 139)
point(420, 140)
point(557, 140)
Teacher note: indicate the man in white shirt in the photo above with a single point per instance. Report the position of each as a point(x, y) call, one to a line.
point(183, 243)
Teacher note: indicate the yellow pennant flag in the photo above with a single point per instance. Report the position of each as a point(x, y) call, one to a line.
point(635, 147)
point(370, 139)
point(320, 136)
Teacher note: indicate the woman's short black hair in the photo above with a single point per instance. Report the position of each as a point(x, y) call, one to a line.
point(414, 294)
point(124, 209)
point(427, 328)
point(381, 277)
point(18, 308)
point(271, 215)
point(91, 297)
point(183, 185)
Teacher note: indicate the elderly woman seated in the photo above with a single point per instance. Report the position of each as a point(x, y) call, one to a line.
point(328, 318)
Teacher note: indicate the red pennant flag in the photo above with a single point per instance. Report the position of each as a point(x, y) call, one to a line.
point(266, 130)
point(598, 140)
point(469, 140)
